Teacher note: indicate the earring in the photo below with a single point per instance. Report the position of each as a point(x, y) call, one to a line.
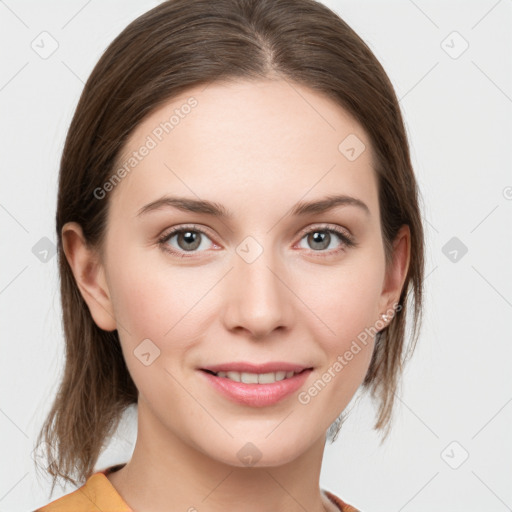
point(384, 317)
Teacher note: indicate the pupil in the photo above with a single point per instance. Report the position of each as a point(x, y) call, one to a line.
point(190, 238)
point(320, 237)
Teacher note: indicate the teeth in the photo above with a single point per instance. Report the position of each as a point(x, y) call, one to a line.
point(256, 378)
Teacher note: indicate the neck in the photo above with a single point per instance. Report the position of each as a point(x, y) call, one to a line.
point(166, 470)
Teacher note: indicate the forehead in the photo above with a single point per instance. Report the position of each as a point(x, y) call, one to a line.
point(244, 141)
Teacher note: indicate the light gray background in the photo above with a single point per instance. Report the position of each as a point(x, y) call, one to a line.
point(456, 399)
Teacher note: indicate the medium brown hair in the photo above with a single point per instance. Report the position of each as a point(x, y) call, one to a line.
point(175, 46)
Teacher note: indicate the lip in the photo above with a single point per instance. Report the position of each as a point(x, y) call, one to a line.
point(256, 395)
point(242, 366)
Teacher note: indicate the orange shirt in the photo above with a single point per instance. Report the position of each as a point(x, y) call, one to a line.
point(99, 494)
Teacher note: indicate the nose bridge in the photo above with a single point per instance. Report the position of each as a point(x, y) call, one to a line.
point(260, 300)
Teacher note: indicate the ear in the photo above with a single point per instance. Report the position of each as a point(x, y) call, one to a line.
point(89, 275)
point(396, 271)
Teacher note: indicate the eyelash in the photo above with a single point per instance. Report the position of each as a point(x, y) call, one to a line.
point(347, 241)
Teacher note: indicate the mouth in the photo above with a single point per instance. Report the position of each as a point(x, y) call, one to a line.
point(256, 389)
point(256, 378)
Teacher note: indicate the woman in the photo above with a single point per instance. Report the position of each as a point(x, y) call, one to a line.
point(238, 230)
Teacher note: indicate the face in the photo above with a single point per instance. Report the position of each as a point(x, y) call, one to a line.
point(262, 283)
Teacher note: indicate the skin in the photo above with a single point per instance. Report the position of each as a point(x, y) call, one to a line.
point(257, 148)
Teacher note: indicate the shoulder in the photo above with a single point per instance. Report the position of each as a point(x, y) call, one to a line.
point(96, 494)
point(99, 494)
point(344, 507)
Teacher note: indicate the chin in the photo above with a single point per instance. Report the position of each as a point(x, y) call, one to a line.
point(264, 453)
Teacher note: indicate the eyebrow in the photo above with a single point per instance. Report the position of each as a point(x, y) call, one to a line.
point(217, 210)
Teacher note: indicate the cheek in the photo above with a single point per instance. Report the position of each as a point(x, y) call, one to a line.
point(344, 300)
point(346, 306)
point(154, 300)
point(152, 303)
point(149, 295)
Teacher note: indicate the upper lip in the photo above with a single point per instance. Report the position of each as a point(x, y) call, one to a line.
point(273, 366)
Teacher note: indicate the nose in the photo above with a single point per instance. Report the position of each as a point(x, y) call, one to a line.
point(258, 299)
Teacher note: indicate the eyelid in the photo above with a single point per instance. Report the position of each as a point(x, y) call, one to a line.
point(184, 227)
point(327, 227)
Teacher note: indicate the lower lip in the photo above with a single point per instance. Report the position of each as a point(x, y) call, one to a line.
point(257, 395)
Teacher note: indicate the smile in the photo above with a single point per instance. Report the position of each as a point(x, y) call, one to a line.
point(256, 389)
point(256, 378)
